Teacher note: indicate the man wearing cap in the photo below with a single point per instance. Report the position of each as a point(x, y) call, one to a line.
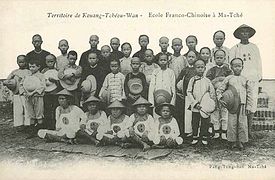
point(252, 68)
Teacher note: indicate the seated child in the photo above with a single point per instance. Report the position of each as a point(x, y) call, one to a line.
point(113, 85)
point(143, 41)
point(33, 88)
point(218, 39)
point(164, 44)
point(52, 87)
point(216, 74)
point(62, 60)
point(168, 134)
point(135, 84)
point(237, 130)
point(205, 55)
point(105, 58)
point(125, 61)
point(96, 124)
point(67, 117)
point(191, 43)
point(143, 129)
point(115, 43)
point(20, 115)
point(148, 66)
point(198, 86)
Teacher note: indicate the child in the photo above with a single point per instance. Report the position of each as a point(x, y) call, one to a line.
point(93, 40)
point(148, 66)
point(135, 84)
point(33, 88)
point(70, 76)
point(143, 129)
point(182, 82)
point(115, 54)
point(52, 87)
point(143, 41)
point(218, 38)
point(62, 60)
point(96, 124)
point(237, 131)
point(125, 62)
point(20, 115)
point(177, 61)
point(105, 58)
point(167, 127)
point(205, 55)
point(95, 70)
point(164, 44)
point(113, 85)
point(198, 86)
point(252, 67)
point(191, 43)
point(220, 116)
point(67, 117)
point(163, 78)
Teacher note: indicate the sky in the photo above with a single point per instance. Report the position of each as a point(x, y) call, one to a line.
point(20, 20)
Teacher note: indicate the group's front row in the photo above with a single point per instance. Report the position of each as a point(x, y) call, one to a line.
point(94, 127)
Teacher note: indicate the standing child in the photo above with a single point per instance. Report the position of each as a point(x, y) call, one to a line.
point(135, 84)
point(198, 87)
point(62, 60)
point(164, 44)
point(113, 85)
point(125, 62)
point(52, 87)
point(205, 55)
point(143, 41)
point(92, 129)
point(70, 76)
point(105, 58)
point(216, 74)
point(242, 98)
point(115, 54)
point(33, 88)
point(191, 43)
point(168, 134)
point(20, 115)
point(218, 38)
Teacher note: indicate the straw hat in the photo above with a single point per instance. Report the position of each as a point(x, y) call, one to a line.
point(69, 84)
point(92, 99)
point(232, 99)
point(159, 107)
point(87, 84)
point(65, 92)
point(207, 105)
point(52, 73)
point(11, 84)
point(237, 32)
point(217, 81)
point(141, 101)
point(31, 83)
point(162, 96)
point(135, 85)
point(116, 104)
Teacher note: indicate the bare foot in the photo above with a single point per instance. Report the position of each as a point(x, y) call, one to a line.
point(146, 147)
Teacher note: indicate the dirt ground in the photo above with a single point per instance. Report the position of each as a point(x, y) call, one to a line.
point(14, 148)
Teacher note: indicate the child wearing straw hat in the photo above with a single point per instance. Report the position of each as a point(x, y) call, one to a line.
point(143, 129)
point(68, 118)
point(235, 93)
point(168, 134)
point(92, 129)
point(20, 115)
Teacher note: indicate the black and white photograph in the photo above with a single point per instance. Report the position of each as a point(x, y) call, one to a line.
point(122, 89)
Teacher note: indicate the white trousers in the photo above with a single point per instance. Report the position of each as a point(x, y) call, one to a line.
point(20, 114)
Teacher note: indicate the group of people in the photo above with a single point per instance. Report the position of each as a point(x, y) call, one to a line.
point(146, 100)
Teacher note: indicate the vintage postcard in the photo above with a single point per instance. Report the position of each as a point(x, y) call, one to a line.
point(60, 59)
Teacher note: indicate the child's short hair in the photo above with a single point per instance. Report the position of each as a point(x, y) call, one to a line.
point(135, 58)
point(115, 60)
point(231, 62)
point(37, 35)
point(92, 53)
point(163, 54)
point(218, 32)
point(73, 53)
point(125, 44)
point(205, 48)
point(218, 51)
point(35, 61)
point(21, 55)
point(52, 56)
point(200, 60)
point(106, 46)
point(114, 38)
point(143, 35)
point(191, 51)
point(150, 50)
point(193, 36)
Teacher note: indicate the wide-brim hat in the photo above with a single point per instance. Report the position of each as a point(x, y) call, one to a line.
point(52, 73)
point(92, 99)
point(69, 84)
point(65, 92)
point(31, 83)
point(141, 101)
point(232, 99)
point(116, 104)
point(239, 29)
point(217, 81)
point(162, 96)
point(208, 105)
point(159, 107)
point(11, 84)
point(135, 85)
point(86, 86)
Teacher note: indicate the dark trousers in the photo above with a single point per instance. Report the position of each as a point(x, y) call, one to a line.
point(50, 104)
point(179, 115)
point(196, 120)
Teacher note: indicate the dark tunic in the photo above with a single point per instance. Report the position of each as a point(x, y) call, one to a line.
point(38, 56)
